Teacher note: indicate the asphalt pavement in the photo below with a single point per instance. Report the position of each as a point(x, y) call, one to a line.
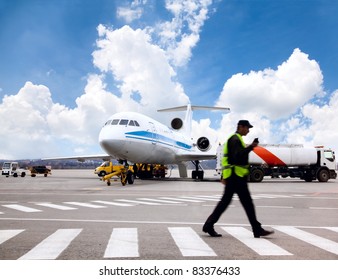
point(72, 215)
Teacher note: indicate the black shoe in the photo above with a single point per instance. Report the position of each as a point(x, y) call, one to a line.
point(210, 230)
point(263, 232)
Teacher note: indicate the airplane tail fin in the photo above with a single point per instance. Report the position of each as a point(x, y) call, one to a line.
point(187, 124)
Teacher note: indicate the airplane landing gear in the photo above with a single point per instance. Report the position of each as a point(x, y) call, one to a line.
point(197, 173)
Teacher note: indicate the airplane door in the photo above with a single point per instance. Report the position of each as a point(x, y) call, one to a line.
point(153, 133)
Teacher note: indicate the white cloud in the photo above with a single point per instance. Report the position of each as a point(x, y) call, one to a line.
point(318, 124)
point(277, 93)
point(129, 14)
point(132, 12)
point(138, 66)
point(23, 125)
point(180, 35)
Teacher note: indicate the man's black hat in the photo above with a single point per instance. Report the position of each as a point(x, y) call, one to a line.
point(245, 123)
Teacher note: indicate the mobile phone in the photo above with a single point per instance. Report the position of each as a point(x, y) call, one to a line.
point(256, 140)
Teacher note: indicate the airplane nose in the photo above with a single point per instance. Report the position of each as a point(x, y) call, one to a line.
point(109, 142)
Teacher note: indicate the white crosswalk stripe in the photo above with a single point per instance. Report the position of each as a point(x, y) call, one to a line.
point(8, 234)
point(22, 208)
point(180, 199)
point(208, 198)
point(123, 243)
point(160, 201)
point(261, 246)
point(55, 206)
point(192, 198)
point(113, 203)
point(52, 246)
point(138, 202)
point(189, 242)
point(310, 238)
point(84, 204)
point(332, 228)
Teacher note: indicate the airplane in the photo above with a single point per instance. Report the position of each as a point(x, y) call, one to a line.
point(137, 138)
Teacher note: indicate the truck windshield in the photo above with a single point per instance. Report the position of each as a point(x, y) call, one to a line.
point(6, 165)
point(329, 155)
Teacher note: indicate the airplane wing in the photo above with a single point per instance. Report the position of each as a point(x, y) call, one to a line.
point(104, 157)
point(196, 156)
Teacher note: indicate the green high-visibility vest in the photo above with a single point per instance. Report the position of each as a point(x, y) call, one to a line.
point(240, 170)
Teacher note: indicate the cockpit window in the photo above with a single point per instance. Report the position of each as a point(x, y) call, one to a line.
point(123, 122)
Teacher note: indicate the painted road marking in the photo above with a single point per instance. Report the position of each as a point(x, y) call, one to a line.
point(56, 206)
point(189, 242)
point(21, 208)
point(123, 243)
point(138, 202)
point(310, 238)
point(113, 203)
point(84, 204)
point(261, 246)
point(8, 234)
point(52, 246)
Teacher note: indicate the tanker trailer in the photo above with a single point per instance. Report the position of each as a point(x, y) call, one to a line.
point(288, 160)
point(295, 161)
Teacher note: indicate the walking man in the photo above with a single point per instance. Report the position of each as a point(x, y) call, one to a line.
point(235, 165)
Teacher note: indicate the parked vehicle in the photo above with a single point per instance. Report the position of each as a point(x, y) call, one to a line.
point(295, 161)
point(12, 169)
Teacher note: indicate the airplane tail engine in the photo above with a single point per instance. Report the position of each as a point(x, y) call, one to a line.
point(203, 144)
point(176, 123)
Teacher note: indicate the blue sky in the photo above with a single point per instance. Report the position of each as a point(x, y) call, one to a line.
point(67, 65)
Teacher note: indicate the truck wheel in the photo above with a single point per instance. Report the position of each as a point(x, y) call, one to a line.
point(130, 178)
point(200, 175)
point(323, 175)
point(23, 174)
point(102, 174)
point(15, 175)
point(193, 174)
point(256, 175)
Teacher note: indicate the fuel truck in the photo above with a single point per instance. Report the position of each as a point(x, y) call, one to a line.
point(288, 160)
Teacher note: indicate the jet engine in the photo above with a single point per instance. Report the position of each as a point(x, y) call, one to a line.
point(203, 144)
point(176, 123)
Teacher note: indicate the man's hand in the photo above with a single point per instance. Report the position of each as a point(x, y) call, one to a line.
point(255, 142)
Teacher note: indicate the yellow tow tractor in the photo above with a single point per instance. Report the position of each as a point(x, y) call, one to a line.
point(40, 169)
point(107, 170)
point(148, 171)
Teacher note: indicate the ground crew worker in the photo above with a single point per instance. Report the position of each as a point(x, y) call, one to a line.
point(235, 163)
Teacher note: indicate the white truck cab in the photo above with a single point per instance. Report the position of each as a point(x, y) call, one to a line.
point(12, 169)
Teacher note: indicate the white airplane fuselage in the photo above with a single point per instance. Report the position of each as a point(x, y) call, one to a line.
point(137, 138)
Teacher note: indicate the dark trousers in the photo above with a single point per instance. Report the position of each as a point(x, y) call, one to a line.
point(239, 185)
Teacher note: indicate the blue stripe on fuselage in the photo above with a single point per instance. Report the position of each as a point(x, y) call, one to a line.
point(158, 138)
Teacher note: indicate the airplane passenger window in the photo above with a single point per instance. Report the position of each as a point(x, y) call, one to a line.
point(136, 123)
point(114, 122)
point(123, 122)
point(131, 123)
